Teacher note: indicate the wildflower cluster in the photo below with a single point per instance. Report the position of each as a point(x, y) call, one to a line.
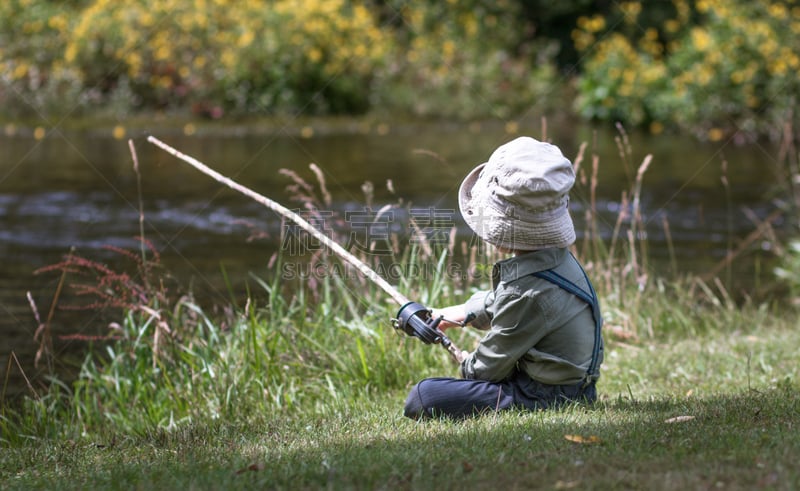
point(469, 60)
point(709, 66)
point(223, 54)
point(32, 72)
point(714, 67)
point(217, 57)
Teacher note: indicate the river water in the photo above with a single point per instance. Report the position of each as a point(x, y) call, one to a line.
point(77, 189)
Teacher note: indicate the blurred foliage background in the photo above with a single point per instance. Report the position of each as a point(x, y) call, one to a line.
point(711, 67)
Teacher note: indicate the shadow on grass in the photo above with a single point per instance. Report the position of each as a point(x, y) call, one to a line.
point(738, 441)
point(742, 440)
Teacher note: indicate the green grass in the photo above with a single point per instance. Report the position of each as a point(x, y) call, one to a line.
point(330, 414)
point(737, 441)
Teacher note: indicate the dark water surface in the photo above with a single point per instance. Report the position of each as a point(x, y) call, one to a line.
point(77, 189)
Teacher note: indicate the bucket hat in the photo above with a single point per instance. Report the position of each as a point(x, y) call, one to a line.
point(519, 199)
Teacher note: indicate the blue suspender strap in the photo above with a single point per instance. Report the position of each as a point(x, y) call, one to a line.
point(589, 297)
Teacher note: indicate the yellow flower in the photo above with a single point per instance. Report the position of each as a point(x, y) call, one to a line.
point(471, 26)
point(672, 26)
point(631, 10)
point(20, 71)
point(71, 52)
point(57, 22)
point(119, 132)
point(246, 39)
point(360, 52)
point(228, 58)
point(512, 127)
point(199, 62)
point(629, 76)
point(778, 11)
point(134, 61)
point(162, 53)
point(700, 38)
point(684, 12)
point(314, 55)
point(793, 61)
point(715, 134)
point(656, 128)
point(704, 75)
point(146, 19)
point(448, 49)
point(778, 67)
point(768, 48)
point(594, 24)
point(582, 39)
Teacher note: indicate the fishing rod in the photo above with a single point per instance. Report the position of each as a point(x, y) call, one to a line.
point(413, 318)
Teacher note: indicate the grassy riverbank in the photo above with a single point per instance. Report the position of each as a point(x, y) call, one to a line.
point(301, 383)
point(306, 390)
point(717, 409)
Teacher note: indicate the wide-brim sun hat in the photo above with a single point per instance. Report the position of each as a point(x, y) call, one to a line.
point(519, 199)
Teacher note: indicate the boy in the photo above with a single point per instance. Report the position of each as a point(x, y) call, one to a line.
point(543, 346)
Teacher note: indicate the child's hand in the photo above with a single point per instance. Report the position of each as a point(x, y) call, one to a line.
point(452, 316)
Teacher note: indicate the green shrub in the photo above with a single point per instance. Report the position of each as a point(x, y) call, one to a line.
point(316, 56)
point(462, 60)
point(34, 80)
point(714, 69)
point(738, 70)
point(620, 81)
point(468, 60)
point(249, 57)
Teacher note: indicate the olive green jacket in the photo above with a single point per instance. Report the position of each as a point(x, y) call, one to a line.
point(532, 324)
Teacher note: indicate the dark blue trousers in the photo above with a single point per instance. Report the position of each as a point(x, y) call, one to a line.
point(460, 398)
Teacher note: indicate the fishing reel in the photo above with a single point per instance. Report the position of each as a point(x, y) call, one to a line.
point(415, 320)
